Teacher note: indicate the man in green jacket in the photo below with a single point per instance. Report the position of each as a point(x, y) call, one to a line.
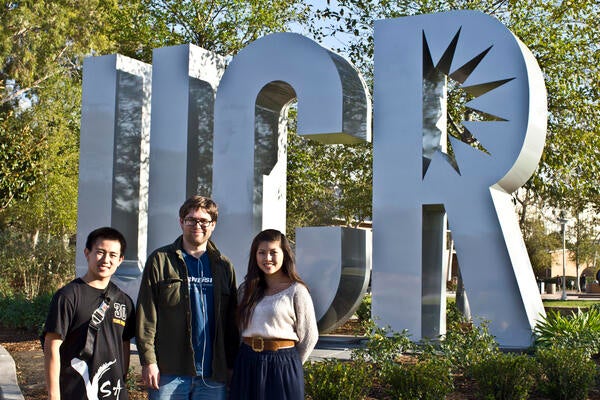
point(186, 332)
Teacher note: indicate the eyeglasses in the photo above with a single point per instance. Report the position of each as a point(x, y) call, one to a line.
point(189, 221)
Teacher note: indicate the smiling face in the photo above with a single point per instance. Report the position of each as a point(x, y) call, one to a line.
point(269, 258)
point(103, 260)
point(197, 226)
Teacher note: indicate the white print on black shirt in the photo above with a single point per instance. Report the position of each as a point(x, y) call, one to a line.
point(120, 314)
point(91, 388)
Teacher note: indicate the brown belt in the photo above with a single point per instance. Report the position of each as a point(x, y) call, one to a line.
point(259, 344)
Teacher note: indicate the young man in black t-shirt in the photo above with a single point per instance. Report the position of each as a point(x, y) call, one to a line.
point(99, 373)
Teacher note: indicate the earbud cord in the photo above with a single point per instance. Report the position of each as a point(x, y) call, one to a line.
point(201, 270)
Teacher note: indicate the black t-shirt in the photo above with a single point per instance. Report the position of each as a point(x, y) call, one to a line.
point(101, 377)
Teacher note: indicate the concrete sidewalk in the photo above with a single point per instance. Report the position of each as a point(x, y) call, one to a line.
point(9, 388)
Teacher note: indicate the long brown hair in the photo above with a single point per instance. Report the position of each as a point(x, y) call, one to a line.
point(255, 284)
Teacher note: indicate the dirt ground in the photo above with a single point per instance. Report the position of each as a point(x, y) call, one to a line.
point(26, 351)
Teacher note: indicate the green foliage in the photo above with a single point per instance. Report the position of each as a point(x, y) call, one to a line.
point(222, 26)
point(579, 330)
point(430, 379)
point(21, 313)
point(131, 382)
point(328, 184)
point(504, 376)
point(382, 347)
point(337, 380)
point(32, 265)
point(364, 310)
point(563, 38)
point(539, 244)
point(43, 44)
point(466, 343)
point(566, 374)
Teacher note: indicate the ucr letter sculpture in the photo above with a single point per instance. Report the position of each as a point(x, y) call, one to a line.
point(138, 166)
point(415, 181)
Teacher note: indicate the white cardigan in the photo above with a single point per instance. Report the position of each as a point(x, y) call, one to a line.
point(289, 314)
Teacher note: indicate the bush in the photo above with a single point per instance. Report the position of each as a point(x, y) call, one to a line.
point(466, 344)
point(337, 380)
point(20, 313)
point(580, 330)
point(565, 374)
point(504, 376)
point(382, 347)
point(426, 380)
point(363, 312)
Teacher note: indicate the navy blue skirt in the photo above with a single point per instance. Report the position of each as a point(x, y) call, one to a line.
point(267, 375)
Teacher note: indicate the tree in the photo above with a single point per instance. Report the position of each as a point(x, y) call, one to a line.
point(328, 184)
point(539, 244)
point(221, 26)
point(564, 38)
point(43, 44)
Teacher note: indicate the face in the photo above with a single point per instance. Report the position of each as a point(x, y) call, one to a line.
point(269, 258)
point(197, 226)
point(103, 259)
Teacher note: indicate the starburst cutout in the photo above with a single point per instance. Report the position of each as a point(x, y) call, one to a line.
point(445, 104)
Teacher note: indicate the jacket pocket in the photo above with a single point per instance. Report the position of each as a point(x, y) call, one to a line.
point(169, 291)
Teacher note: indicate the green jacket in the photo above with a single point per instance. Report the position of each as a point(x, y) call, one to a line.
point(164, 326)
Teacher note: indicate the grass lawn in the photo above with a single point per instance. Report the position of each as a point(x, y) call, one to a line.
point(570, 303)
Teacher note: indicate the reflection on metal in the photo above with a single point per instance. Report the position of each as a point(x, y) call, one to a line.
point(435, 266)
point(113, 166)
point(250, 116)
point(492, 65)
point(335, 263)
point(184, 82)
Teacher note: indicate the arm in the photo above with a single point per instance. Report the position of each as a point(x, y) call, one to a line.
point(52, 364)
point(126, 357)
point(232, 333)
point(146, 316)
point(306, 322)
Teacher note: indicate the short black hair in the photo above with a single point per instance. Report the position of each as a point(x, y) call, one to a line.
point(106, 233)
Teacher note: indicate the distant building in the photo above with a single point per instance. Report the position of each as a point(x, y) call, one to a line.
point(556, 268)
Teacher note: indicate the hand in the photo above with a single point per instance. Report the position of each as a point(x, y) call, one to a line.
point(150, 376)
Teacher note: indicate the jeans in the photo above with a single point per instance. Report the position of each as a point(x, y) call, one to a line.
point(176, 387)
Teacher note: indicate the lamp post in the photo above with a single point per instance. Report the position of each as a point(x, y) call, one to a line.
point(563, 221)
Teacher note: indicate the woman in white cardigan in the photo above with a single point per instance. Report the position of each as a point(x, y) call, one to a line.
point(277, 320)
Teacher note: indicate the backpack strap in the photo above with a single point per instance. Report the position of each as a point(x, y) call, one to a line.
point(96, 320)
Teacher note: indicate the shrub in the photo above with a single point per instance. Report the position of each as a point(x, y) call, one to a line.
point(565, 374)
point(466, 344)
point(504, 376)
point(429, 379)
point(18, 312)
point(382, 347)
point(363, 312)
point(337, 380)
point(579, 330)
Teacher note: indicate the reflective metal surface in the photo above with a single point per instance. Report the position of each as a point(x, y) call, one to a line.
point(473, 185)
point(250, 116)
point(335, 263)
point(184, 82)
point(113, 166)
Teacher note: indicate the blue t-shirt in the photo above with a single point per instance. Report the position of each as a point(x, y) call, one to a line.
point(200, 282)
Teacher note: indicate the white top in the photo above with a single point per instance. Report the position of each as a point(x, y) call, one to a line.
point(289, 314)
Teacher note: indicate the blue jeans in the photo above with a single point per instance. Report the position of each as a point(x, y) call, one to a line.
point(176, 387)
